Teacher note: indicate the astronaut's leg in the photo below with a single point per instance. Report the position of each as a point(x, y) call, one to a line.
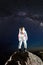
point(20, 43)
point(25, 45)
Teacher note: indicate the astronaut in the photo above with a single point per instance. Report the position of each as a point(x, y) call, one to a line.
point(22, 37)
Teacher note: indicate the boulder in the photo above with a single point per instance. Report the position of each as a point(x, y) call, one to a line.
point(24, 58)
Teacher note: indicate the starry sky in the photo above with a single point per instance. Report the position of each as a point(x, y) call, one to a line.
point(14, 14)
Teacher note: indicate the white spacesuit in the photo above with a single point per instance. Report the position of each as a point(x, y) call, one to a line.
point(22, 37)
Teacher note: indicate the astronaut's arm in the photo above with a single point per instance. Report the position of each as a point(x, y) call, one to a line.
point(26, 35)
point(19, 37)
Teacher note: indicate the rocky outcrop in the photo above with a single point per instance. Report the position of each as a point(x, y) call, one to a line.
point(24, 58)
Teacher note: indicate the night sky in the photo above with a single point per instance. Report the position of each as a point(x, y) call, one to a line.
point(17, 13)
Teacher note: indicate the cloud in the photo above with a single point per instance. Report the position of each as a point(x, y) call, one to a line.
point(21, 13)
point(28, 19)
point(41, 24)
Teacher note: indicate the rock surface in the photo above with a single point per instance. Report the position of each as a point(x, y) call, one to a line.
point(24, 58)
